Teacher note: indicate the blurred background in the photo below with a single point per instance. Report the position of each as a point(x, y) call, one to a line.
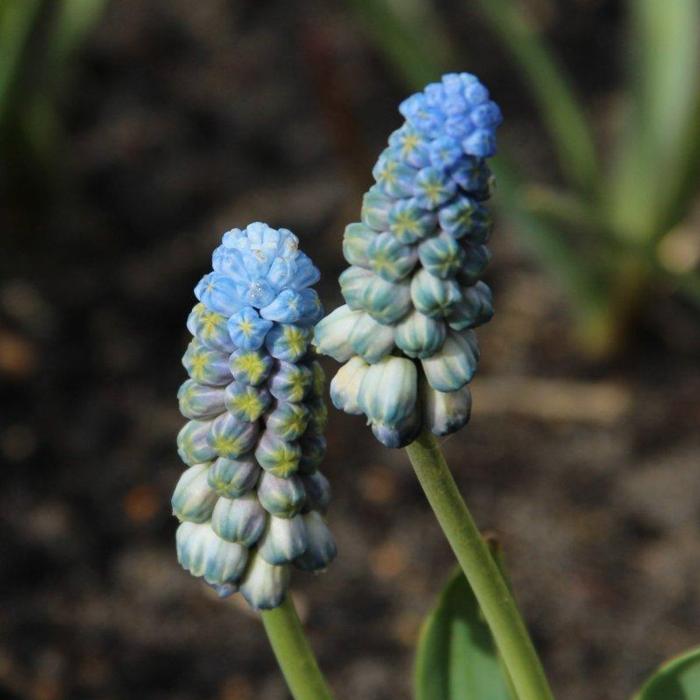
point(132, 134)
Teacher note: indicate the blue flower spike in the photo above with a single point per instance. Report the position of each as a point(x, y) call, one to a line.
point(252, 501)
point(413, 292)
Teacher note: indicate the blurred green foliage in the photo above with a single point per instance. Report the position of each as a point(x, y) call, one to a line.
point(677, 679)
point(615, 232)
point(38, 40)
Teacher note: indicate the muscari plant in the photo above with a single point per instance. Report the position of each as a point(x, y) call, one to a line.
point(252, 500)
point(251, 503)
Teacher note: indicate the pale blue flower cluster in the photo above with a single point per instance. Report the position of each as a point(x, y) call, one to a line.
point(252, 500)
point(412, 291)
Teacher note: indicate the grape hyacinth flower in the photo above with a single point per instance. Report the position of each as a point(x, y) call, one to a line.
point(252, 500)
point(412, 291)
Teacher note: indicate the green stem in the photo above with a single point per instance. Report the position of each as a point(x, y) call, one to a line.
point(294, 654)
point(495, 600)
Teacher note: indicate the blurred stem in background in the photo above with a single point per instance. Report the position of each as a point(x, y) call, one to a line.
point(38, 41)
point(604, 238)
point(486, 580)
point(294, 654)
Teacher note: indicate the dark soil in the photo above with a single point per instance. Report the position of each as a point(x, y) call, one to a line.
point(188, 118)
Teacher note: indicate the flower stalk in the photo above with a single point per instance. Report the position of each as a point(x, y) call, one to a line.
point(294, 654)
point(491, 591)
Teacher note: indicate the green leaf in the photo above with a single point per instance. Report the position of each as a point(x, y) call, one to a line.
point(457, 657)
point(677, 679)
point(410, 34)
point(551, 88)
point(655, 175)
point(17, 20)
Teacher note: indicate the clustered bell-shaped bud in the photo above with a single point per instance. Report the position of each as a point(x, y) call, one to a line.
point(252, 500)
point(412, 291)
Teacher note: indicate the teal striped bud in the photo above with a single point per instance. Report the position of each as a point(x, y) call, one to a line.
point(388, 391)
point(370, 339)
point(254, 442)
point(391, 259)
point(356, 242)
point(413, 291)
point(445, 412)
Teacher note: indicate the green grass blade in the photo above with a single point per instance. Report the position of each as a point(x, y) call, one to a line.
point(74, 21)
point(559, 108)
point(656, 172)
point(577, 276)
point(411, 36)
point(17, 19)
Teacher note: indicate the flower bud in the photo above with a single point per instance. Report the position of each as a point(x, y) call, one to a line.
point(245, 402)
point(356, 241)
point(211, 328)
point(250, 366)
point(352, 286)
point(199, 401)
point(388, 390)
point(446, 412)
point(233, 477)
point(474, 308)
point(284, 540)
point(264, 585)
point(345, 386)
point(375, 209)
point(321, 548)
point(203, 553)
point(240, 520)
point(441, 256)
point(193, 443)
point(386, 301)
point(419, 335)
point(391, 259)
point(283, 498)
point(370, 339)
point(332, 334)
point(433, 296)
point(454, 364)
point(194, 499)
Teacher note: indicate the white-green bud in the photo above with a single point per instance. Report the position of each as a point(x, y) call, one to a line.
point(419, 335)
point(386, 301)
point(388, 390)
point(345, 386)
point(446, 412)
point(332, 334)
point(321, 550)
point(370, 339)
point(203, 553)
point(356, 241)
point(454, 364)
point(284, 540)
point(264, 585)
point(193, 498)
point(240, 520)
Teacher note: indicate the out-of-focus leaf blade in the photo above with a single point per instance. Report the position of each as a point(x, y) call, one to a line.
point(559, 108)
point(457, 657)
point(677, 679)
point(410, 34)
point(17, 18)
point(579, 278)
point(656, 170)
point(74, 20)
